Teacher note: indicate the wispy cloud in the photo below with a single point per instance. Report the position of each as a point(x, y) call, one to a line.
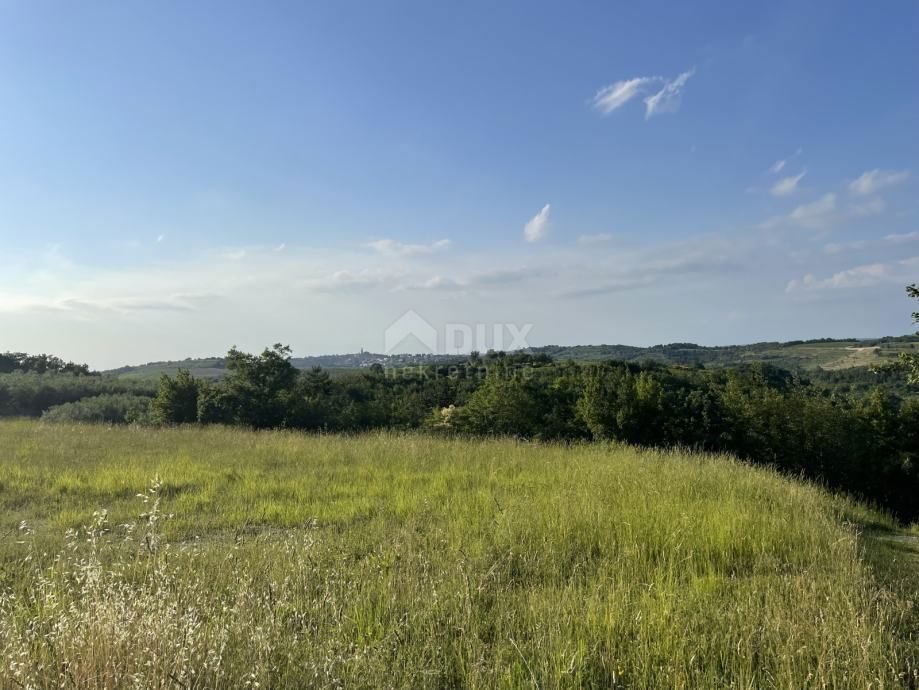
point(886, 241)
point(864, 276)
point(815, 215)
point(779, 165)
point(237, 254)
point(611, 287)
point(349, 281)
point(872, 207)
point(389, 247)
point(901, 238)
point(599, 238)
point(665, 100)
point(438, 283)
point(614, 96)
point(79, 306)
point(652, 268)
point(787, 185)
point(486, 280)
point(871, 181)
point(537, 227)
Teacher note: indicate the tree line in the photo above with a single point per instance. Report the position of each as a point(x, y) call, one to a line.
point(40, 364)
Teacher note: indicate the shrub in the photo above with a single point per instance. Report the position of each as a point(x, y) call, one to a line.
point(117, 409)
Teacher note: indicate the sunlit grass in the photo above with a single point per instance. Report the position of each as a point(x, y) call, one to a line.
point(409, 561)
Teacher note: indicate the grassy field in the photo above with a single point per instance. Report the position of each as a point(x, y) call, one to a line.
point(279, 560)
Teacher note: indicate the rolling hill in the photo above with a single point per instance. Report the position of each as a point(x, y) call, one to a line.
point(806, 355)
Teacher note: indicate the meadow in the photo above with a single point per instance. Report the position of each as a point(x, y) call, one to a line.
point(224, 558)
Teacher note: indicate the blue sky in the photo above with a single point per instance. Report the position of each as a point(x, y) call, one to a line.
point(177, 177)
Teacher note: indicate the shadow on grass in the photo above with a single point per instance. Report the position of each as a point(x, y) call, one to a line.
point(893, 556)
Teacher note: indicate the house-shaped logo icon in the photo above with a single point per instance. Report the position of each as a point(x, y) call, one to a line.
point(409, 327)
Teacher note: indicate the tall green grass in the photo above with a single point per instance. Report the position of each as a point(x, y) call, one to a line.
point(282, 560)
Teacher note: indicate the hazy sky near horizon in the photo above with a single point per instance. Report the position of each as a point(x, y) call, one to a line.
point(177, 178)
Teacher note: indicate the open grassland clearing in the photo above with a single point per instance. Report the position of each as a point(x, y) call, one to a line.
point(383, 559)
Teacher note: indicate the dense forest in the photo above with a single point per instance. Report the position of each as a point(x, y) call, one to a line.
point(855, 430)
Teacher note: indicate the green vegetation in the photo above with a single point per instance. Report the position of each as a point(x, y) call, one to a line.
point(29, 394)
point(39, 364)
point(910, 360)
point(856, 432)
point(796, 355)
point(209, 367)
point(120, 408)
point(865, 444)
point(286, 560)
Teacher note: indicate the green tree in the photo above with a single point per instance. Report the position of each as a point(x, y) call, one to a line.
point(313, 406)
point(618, 404)
point(910, 360)
point(176, 401)
point(215, 405)
point(317, 382)
point(504, 404)
point(261, 386)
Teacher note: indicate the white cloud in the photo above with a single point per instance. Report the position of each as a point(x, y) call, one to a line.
point(78, 306)
point(864, 276)
point(609, 98)
point(860, 276)
point(838, 247)
point(349, 281)
point(816, 214)
point(114, 314)
point(823, 213)
point(901, 238)
point(667, 100)
point(389, 247)
point(872, 207)
point(650, 269)
point(787, 185)
point(487, 280)
point(779, 165)
point(438, 282)
point(233, 254)
point(599, 238)
point(538, 226)
point(610, 287)
point(873, 180)
point(886, 241)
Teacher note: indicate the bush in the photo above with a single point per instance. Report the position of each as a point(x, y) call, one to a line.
point(113, 409)
point(30, 394)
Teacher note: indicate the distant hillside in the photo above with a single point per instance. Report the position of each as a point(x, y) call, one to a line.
point(215, 367)
point(826, 354)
